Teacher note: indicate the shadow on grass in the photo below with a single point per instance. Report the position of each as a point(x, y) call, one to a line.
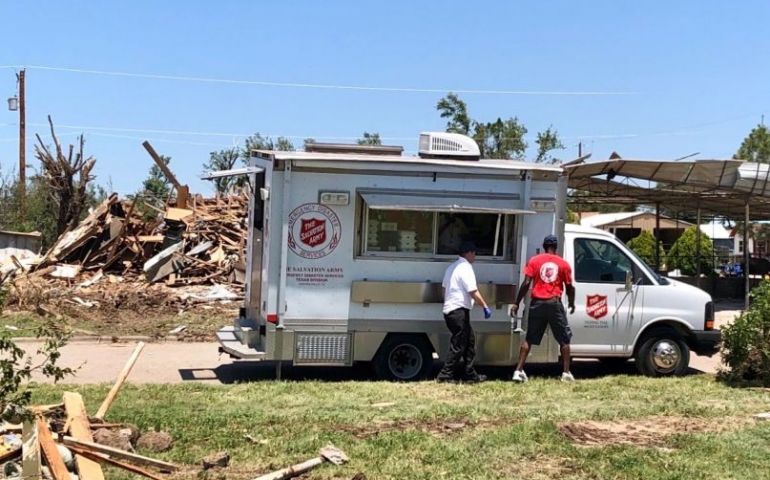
point(244, 371)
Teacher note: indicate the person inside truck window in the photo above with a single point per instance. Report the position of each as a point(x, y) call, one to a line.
point(451, 232)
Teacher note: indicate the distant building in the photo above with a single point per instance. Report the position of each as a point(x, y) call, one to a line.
point(627, 225)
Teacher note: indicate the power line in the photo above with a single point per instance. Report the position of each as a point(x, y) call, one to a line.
point(265, 83)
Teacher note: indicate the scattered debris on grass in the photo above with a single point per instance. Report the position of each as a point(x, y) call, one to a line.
point(329, 453)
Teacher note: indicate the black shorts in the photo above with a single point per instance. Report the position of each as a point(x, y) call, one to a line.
point(543, 313)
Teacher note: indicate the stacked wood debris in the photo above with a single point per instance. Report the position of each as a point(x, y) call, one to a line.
point(200, 245)
point(63, 442)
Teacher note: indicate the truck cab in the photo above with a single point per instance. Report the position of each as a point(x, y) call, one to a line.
point(623, 309)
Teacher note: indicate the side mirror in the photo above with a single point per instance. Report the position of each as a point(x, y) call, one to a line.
point(629, 281)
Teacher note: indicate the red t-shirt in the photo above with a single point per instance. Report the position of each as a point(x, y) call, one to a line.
point(549, 273)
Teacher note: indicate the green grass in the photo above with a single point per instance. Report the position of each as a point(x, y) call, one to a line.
point(510, 431)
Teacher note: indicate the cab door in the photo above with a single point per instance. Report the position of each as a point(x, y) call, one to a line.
point(605, 297)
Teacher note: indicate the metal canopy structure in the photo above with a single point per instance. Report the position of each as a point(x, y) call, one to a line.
point(729, 188)
point(721, 187)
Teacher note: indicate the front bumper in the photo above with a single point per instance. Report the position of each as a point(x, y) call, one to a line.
point(705, 342)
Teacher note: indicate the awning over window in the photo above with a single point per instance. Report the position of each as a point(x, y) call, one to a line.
point(455, 203)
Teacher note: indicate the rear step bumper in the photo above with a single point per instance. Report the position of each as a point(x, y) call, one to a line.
point(231, 345)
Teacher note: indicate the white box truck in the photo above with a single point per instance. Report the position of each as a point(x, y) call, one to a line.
point(348, 246)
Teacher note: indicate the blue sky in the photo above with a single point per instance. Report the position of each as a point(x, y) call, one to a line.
point(695, 72)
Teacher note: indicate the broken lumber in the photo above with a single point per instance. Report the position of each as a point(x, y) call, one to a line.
point(77, 419)
point(50, 452)
point(30, 451)
point(120, 454)
point(102, 458)
point(329, 453)
point(119, 382)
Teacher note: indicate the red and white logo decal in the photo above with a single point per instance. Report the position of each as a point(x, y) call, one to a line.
point(314, 230)
point(596, 306)
point(549, 272)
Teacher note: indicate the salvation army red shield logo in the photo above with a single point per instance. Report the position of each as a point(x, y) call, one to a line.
point(596, 306)
point(314, 230)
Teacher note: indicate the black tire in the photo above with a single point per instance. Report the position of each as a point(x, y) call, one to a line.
point(404, 358)
point(662, 353)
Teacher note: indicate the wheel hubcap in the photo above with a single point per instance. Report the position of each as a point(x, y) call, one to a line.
point(405, 361)
point(665, 355)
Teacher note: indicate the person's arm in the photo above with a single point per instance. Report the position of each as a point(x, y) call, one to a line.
point(571, 297)
point(476, 296)
point(521, 294)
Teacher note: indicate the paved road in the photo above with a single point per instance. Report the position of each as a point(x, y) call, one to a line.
point(176, 362)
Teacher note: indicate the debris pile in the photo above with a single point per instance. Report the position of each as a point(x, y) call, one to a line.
point(204, 244)
point(122, 273)
point(62, 442)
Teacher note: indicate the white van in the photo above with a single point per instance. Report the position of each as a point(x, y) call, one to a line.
point(348, 246)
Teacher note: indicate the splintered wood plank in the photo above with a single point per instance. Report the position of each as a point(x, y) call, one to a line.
point(53, 458)
point(119, 382)
point(30, 450)
point(77, 418)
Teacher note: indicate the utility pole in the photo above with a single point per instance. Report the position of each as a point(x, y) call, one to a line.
point(22, 147)
point(580, 149)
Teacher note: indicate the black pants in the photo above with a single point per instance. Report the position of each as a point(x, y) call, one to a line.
point(462, 346)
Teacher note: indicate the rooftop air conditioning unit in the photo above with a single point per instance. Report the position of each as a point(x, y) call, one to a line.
point(448, 145)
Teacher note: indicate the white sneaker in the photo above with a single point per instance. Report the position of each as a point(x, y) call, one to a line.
point(520, 376)
point(567, 377)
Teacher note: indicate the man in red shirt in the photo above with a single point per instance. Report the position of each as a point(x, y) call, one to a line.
point(550, 275)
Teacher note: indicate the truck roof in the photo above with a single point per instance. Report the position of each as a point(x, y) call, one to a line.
point(575, 228)
point(361, 158)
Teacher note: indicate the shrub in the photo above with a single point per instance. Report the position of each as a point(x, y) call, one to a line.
point(682, 255)
point(644, 246)
point(746, 343)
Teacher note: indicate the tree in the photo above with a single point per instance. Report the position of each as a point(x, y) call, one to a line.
point(223, 160)
point(756, 146)
point(258, 142)
point(682, 255)
point(455, 110)
point(496, 139)
point(156, 185)
point(67, 176)
point(547, 141)
point(746, 342)
point(370, 139)
point(644, 246)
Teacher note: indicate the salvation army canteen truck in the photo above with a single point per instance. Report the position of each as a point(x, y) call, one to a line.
point(348, 246)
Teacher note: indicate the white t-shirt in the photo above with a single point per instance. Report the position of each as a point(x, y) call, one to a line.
point(459, 281)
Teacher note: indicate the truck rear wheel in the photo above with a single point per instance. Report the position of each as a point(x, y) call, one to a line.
point(404, 358)
point(663, 352)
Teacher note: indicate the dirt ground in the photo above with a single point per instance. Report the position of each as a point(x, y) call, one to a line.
point(645, 432)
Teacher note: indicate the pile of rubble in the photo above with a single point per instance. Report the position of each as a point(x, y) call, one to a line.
point(62, 442)
point(128, 261)
point(204, 244)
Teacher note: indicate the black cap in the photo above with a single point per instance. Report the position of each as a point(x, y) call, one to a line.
point(466, 247)
point(550, 241)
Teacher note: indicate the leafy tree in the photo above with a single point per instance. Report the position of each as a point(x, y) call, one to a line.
point(746, 342)
point(682, 255)
point(258, 142)
point(456, 111)
point(756, 146)
point(546, 142)
point(496, 139)
point(644, 246)
point(223, 160)
point(370, 139)
point(156, 185)
point(17, 369)
point(307, 142)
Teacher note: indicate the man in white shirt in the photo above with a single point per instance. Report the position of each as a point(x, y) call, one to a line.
point(460, 292)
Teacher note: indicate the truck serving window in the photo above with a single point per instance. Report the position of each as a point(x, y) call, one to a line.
point(410, 233)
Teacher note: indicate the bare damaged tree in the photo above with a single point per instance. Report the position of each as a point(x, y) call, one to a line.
point(68, 177)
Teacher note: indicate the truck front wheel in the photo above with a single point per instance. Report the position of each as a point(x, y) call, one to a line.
point(663, 352)
point(404, 358)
